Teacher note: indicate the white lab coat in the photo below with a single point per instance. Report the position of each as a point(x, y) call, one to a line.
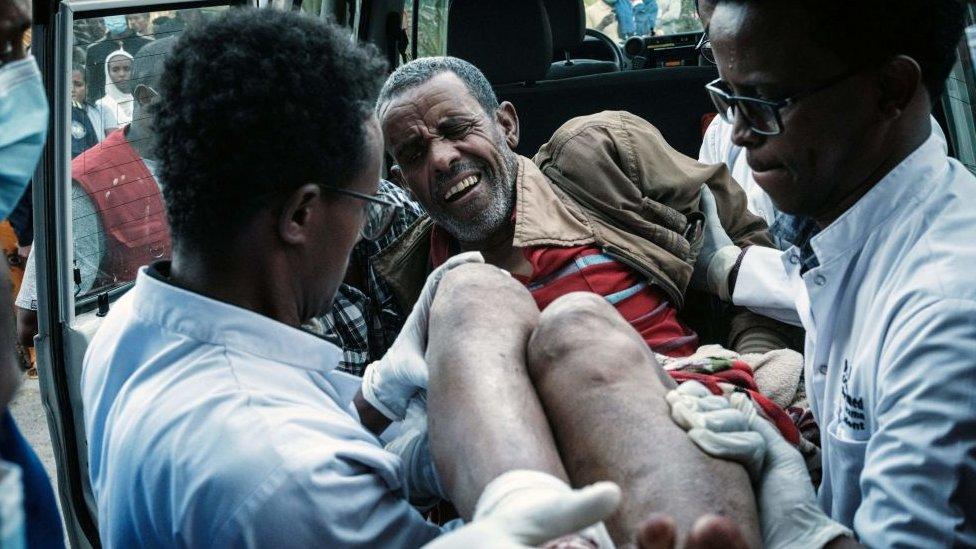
point(890, 358)
point(213, 426)
point(762, 285)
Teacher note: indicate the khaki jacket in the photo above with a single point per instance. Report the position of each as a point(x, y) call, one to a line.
point(611, 181)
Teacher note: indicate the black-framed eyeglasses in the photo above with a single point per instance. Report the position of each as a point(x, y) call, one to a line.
point(704, 47)
point(763, 116)
point(379, 209)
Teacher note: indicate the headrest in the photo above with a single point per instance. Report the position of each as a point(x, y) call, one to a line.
point(567, 18)
point(509, 40)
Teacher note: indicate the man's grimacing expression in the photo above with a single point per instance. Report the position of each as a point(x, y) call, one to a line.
point(455, 158)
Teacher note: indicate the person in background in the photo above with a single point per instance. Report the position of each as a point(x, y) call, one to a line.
point(23, 126)
point(115, 106)
point(117, 35)
point(601, 17)
point(625, 17)
point(645, 17)
point(87, 120)
point(87, 32)
point(139, 23)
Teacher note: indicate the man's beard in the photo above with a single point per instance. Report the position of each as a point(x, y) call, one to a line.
point(500, 192)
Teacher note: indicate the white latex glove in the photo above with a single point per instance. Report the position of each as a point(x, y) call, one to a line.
point(718, 253)
point(424, 488)
point(788, 512)
point(528, 508)
point(390, 382)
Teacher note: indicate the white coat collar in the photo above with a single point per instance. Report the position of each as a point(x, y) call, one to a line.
point(907, 185)
point(211, 321)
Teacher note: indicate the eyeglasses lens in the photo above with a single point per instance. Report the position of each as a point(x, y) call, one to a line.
point(722, 105)
point(707, 53)
point(761, 117)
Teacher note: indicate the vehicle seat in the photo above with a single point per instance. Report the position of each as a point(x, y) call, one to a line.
point(567, 20)
point(511, 42)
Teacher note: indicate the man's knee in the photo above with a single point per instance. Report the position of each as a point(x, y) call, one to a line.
point(584, 332)
point(477, 291)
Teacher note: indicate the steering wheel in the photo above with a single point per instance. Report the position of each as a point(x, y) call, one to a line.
point(618, 55)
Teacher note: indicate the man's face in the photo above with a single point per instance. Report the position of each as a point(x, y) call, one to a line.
point(119, 70)
point(138, 22)
point(830, 140)
point(78, 87)
point(455, 158)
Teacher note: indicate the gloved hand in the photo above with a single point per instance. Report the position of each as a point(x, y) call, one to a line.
point(718, 253)
point(528, 508)
point(390, 382)
point(424, 489)
point(788, 512)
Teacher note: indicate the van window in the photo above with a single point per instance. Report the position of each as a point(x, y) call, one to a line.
point(432, 28)
point(621, 19)
point(118, 219)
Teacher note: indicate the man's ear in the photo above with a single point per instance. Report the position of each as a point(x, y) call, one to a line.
point(900, 82)
point(507, 118)
point(297, 213)
point(144, 94)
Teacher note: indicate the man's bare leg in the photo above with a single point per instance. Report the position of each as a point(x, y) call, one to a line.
point(483, 413)
point(603, 393)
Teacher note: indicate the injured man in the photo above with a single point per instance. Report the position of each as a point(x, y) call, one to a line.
point(599, 232)
point(606, 206)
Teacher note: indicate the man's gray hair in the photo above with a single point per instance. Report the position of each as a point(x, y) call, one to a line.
point(421, 70)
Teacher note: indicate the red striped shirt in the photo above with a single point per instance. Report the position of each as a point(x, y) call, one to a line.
point(559, 271)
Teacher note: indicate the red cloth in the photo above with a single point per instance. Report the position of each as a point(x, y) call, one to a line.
point(740, 375)
point(559, 271)
point(129, 204)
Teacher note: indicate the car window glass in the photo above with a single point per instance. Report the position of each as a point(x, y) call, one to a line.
point(621, 19)
point(432, 26)
point(118, 219)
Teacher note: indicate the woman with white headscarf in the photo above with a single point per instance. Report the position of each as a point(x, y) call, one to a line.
point(116, 106)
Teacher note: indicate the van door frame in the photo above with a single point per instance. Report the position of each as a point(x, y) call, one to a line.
point(52, 44)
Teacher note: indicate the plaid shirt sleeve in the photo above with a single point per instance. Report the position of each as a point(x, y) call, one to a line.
point(364, 324)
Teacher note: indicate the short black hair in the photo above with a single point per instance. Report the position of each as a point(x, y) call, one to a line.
point(255, 104)
point(873, 31)
point(421, 70)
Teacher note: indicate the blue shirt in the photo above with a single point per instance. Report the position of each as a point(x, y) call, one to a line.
point(211, 425)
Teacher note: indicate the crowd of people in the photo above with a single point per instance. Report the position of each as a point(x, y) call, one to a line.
point(474, 348)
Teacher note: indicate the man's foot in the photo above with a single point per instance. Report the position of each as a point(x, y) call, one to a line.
point(710, 531)
point(32, 372)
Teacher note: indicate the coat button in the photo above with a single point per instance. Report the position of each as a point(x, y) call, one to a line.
point(794, 259)
point(822, 369)
point(820, 280)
